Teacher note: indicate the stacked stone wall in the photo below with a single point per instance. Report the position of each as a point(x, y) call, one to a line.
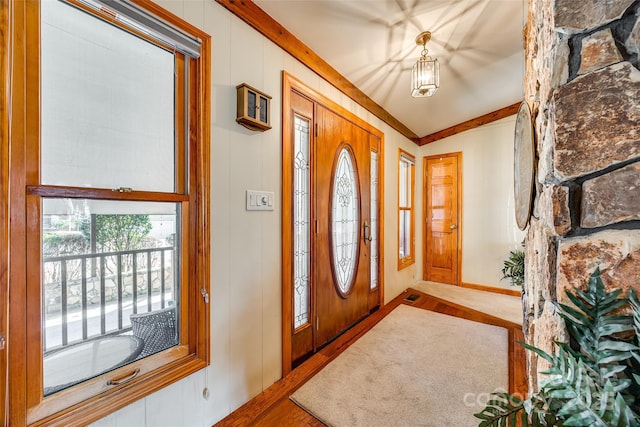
point(582, 83)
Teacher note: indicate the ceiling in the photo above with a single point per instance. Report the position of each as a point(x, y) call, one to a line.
point(372, 43)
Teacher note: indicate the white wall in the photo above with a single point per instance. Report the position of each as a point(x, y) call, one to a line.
point(488, 223)
point(245, 271)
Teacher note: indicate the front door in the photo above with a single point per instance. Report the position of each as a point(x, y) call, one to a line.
point(442, 213)
point(332, 238)
point(343, 224)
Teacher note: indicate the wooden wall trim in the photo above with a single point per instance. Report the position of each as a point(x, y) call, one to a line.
point(494, 289)
point(4, 202)
point(17, 127)
point(470, 124)
point(286, 266)
point(262, 22)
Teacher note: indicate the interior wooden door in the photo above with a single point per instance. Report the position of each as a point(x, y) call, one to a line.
point(342, 221)
point(443, 215)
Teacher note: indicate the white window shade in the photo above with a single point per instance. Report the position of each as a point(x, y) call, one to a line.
point(107, 105)
point(407, 159)
point(148, 24)
point(55, 206)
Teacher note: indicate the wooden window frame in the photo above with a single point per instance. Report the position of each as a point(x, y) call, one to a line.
point(404, 262)
point(20, 112)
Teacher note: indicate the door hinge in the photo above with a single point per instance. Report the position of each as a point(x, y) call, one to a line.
point(205, 295)
point(316, 221)
point(2, 341)
point(316, 130)
point(317, 323)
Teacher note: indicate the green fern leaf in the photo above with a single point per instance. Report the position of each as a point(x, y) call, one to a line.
point(584, 401)
point(620, 415)
point(513, 268)
point(537, 351)
point(593, 326)
point(500, 409)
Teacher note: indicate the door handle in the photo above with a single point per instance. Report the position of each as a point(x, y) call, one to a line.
point(367, 232)
point(453, 226)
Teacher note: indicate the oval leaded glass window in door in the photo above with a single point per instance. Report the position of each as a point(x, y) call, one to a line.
point(344, 221)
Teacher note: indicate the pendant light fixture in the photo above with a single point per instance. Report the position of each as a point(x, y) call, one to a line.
point(425, 75)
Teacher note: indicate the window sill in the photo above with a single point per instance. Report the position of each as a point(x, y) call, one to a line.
point(405, 262)
point(157, 376)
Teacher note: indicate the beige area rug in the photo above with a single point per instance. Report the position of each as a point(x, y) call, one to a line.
point(414, 368)
point(503, 306)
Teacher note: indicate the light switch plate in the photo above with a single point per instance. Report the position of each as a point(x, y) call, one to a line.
point(260, 200)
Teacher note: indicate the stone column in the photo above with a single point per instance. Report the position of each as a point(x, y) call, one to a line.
point(583, 86)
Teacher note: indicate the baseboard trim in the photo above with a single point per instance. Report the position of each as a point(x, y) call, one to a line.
point(487, 288)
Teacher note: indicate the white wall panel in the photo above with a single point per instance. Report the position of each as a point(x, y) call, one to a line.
point(245, 249)
point(174, 6)
point(273, 59)
point(164, 408)
point(301, 72)
point(222, 94)
point(245, 269)
point(108, 421)
point(132, 415)
point(193, 401)
point(194, 12)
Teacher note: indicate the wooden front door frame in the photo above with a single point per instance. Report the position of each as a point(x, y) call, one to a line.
point(289, 84)
point(5, 119)
point(458, 155)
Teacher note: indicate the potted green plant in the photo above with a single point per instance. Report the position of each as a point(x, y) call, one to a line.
point(594, 379)
point(513, 268)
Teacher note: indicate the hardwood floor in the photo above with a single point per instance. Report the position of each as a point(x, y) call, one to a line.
point(273, 407)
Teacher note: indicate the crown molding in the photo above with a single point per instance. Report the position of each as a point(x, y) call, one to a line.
point(470, 124)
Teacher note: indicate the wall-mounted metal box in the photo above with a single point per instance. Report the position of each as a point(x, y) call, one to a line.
point(254, 108)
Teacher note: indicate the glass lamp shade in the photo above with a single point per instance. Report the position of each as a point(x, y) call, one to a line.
point(425, 77)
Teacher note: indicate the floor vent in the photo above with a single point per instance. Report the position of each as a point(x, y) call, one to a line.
point(412, 297)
